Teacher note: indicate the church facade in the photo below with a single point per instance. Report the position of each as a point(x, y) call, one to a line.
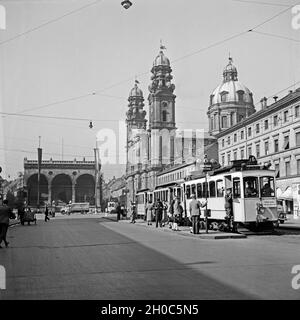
point(155, 144)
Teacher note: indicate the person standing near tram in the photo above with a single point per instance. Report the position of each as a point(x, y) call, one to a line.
point(229, 210)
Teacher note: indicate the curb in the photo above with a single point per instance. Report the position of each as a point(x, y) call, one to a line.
point(184, 233)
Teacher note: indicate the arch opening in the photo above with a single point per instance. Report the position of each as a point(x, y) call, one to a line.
point(32, 186)
point(85, 189)
point(62, 188)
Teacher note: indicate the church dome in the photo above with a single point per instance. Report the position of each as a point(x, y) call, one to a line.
point(231, 90)
point(161, 60)
point(136, 91)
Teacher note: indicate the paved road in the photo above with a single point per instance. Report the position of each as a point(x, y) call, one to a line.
point(98, 259)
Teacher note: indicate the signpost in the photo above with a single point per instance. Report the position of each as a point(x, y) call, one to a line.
point(207, 166)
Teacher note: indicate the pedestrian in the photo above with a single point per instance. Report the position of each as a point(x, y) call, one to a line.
point(133, 212)
point(229, 211)
point(171, 214)
point(165, 213)
point(195, 213)
point(5, 214)
point(21, 214)
point(149, 210)
point(46, 214)
point(178, 210)
point(118, 211)
point(158, 213)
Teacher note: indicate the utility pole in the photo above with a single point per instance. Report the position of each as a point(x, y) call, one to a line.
point(39, 172)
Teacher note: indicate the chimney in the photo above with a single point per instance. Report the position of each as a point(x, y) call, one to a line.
point(275, 98)
point(263, 102)
point(291, 91)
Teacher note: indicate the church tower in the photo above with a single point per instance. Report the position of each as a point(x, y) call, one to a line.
point(161, 112)
point(136, 128)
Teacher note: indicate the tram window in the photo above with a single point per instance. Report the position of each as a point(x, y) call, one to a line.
point(267, 187)
point(220, 188)
point(199, 190)
point(236, 188)
point(251, 187)
point(205, 190)
point(188, 192)
point(193, 190)
point(179, 193)
point(212, 189)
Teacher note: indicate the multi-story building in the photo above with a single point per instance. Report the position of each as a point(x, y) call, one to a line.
point(272, 135)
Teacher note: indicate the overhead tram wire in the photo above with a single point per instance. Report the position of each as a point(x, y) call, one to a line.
point(276, 36)
point(263, 3)
point(140, 74)
point(50, 22)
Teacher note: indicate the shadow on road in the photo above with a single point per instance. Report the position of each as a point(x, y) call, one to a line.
point(83, 259)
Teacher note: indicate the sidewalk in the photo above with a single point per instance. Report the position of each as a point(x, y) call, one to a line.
point(183, 230)
point(290, 223)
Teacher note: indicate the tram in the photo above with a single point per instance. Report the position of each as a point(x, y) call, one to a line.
point(253, 193)
point(143, 197)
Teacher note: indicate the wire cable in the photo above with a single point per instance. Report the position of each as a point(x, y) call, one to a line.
point(50, 22)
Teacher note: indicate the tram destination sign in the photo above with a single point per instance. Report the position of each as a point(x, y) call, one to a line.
point(206, 167)
point(269, 203)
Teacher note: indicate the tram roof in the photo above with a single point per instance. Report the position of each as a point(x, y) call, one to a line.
point(235, 166)
point(170, 184)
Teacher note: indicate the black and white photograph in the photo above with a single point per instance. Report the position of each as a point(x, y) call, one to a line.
point(149, 153)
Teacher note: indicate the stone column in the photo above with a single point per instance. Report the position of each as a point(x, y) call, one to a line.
point(49, 192)
point(73, 191)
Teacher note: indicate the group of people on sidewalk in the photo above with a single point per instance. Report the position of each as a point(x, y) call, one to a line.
point(172, 215)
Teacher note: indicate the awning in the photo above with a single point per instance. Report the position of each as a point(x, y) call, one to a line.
point(287, 194)
point(170, 184)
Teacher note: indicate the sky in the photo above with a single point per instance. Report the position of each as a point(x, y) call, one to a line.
point(54, 54)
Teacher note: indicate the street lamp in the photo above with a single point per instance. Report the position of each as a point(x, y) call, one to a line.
point(126, 4)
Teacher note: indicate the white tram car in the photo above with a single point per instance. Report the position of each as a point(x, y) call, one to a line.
point(253, 193)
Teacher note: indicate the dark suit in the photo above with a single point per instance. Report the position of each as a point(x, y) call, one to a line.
point(5, 213)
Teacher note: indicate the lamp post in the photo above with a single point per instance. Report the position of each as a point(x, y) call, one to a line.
point(207, 166)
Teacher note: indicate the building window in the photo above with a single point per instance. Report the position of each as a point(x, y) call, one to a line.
point(242, 135)
point(257, 150)
point(223, 160)
point(286, 116)
point(228, 158)
point(240, 96)
point(298, 139)
point(266, 147)
point(228, 140)
point(249, 151)
point(286, 144)
point(224, 122)
point(235, 155)
point(277, 170)
point(231, 119)
point(287, 168)
point(297, 111)
point(234, 137)
point(224, 97)
point(257, 128)
point(276, 145)
point(275, 121)
point(223, 142)
point(242, 154)
point(241, 117)
point(249, 132)
point(298, 166)
point(164, 115)
point(266, 124)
